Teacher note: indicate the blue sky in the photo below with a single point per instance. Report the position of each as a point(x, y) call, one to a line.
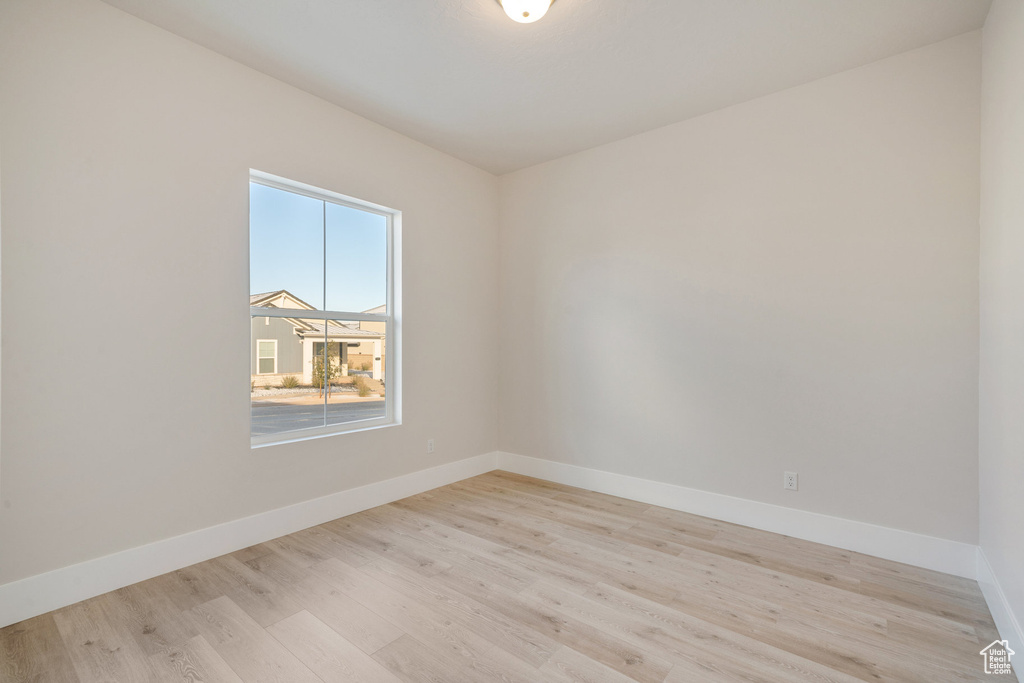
point(286, 250)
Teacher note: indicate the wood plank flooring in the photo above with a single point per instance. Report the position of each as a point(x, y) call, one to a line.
point(506, 578)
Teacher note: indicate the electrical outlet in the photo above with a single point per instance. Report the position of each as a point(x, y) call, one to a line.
point(430, 446)
point(790, 481)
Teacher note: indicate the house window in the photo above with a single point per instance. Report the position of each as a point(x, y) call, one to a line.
point(266, 356)
point(323, 271)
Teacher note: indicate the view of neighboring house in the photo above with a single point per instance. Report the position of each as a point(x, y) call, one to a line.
point(285, 347)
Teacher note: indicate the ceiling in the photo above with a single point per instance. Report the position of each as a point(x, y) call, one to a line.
point(460, 76)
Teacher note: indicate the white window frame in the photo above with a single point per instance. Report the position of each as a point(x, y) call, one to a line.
point(391, 319)
point(263, 357)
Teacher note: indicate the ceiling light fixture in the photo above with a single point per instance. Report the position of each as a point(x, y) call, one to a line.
point(525, 11)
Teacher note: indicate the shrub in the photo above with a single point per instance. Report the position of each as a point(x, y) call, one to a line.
point(365, 366)
point(361, 386)
point(289, 382)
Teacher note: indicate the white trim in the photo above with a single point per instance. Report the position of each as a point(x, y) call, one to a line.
point(296, 435)
point(259, 357)
point(393, 326)
point(1002, 614)
point(42, 593)
point(940, 554)
point(313, 314)
point(313, 192)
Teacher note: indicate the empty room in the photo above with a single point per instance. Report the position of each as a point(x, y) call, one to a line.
point(664, 341)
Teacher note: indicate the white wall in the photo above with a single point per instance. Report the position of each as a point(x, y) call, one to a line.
point(1002, 304)
point(799, 274)
point(126, 153)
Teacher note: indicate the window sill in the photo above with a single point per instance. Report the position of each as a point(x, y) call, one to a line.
point(320, 432)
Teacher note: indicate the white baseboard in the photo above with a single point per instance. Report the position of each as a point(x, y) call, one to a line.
point(929, 552)
point(42, 593)
point(1006, 622)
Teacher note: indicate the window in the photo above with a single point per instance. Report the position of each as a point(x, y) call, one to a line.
point(266, 356)
point(323, 299)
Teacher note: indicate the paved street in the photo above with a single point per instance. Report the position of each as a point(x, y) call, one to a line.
point(269, 417)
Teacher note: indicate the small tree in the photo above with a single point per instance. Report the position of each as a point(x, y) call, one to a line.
point(326, 366)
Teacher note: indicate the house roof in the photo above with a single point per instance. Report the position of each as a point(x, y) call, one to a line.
point(256, 299)
point(253, 298)
point(338, 330)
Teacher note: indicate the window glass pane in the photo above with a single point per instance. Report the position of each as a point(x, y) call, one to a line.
point(290, 398)
point(357, 260)
point(308, 255)
point(358, 355)
point(286, 247)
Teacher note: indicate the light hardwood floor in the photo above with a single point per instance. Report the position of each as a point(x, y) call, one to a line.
point(506, 578)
